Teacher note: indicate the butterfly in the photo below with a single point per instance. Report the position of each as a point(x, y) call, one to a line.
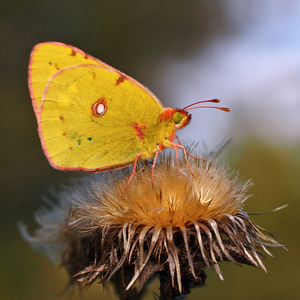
point(92, 117)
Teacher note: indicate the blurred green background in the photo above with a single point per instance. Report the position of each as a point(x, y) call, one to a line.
point(151, 40)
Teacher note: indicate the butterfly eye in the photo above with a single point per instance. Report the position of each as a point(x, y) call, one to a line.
point(177, 117)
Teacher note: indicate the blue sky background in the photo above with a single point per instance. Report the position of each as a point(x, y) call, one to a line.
point(255, 72)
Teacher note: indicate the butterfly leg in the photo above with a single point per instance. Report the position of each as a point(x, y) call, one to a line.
point(131, 176)
point(189, 154)
point(169, 144)
point(155, 159)
point(176, 154)
point(185, 156)
point(153, 166)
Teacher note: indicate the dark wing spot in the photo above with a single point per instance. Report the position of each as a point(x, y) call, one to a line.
point(50, 63)
point(139, 130)
point(78, 142)
point(89, 138)
point(120, 79)
point(73, 53)
point(62, 117)
point(64, 134)
point(73, 134)
point(56, 66)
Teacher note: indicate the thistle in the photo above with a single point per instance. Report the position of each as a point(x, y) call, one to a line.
point(174, 230)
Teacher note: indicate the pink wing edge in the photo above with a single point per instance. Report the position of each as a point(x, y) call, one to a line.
point(38, 110)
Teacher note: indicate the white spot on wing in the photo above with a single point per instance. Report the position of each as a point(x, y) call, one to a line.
point(100, 109)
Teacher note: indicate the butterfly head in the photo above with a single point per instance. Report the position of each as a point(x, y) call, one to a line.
point(181, 118)
point(178, 117)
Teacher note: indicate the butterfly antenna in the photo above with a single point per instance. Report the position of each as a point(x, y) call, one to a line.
point(189, 107)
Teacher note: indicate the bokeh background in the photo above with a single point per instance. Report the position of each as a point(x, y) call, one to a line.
point(245, 52)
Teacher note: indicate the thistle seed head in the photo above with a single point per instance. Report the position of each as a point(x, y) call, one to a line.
point(174, 229)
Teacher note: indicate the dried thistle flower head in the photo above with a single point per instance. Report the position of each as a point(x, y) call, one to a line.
point(174, 229)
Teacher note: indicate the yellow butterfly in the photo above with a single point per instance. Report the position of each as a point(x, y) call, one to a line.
point(92, 117)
